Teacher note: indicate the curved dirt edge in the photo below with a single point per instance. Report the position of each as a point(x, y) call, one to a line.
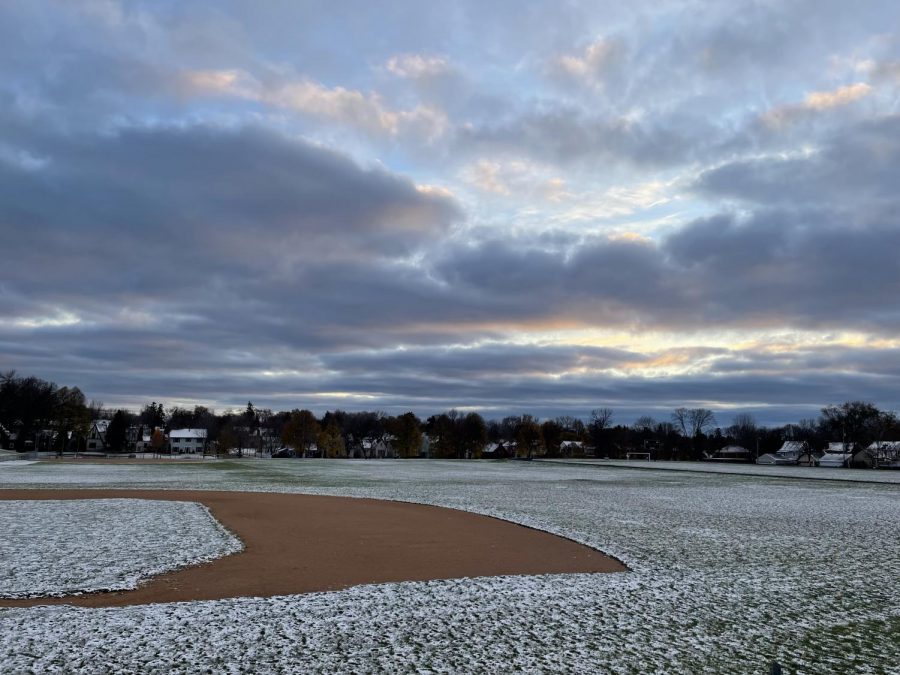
point(299, 543)
point(232, 545)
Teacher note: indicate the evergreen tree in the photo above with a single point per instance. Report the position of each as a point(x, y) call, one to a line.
point(117, 432)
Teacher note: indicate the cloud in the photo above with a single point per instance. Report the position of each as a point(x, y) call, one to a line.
point(418, 66)
point(855, 169)
point(516, 178)
point(201, 203)
point(170, 230)
point(823, 100)
point(363, 111)
point(592, 63)
point(816, 102)
point(568, 136)
point(884, 71)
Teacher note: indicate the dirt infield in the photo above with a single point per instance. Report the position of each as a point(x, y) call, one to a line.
point(303, 543)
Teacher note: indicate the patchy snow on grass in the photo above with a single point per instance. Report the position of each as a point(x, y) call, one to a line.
point(728, 574)
point(775, 471)
point(65, 547)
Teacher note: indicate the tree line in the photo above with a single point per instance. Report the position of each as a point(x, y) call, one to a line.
point(39, 414)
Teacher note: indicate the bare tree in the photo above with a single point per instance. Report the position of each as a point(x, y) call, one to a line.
point(700, 419)
point(680, 420)
point(852, 421)
point(691, 421)
point(644, 423)
point(743, 428)
point(600, 419)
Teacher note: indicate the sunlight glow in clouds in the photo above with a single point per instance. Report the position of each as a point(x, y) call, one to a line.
point(416, 206)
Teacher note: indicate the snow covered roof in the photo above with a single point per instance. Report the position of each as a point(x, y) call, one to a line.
point(102, 425)
point(885, 445)
point(835, 447)
point(187, 433)
point(733, 450)
point(571, 444)
point(792, 449)
point(768, 458)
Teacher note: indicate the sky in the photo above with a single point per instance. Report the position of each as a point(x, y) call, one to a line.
point(510, 207)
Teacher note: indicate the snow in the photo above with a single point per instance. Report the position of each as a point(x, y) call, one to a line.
point(729, 572)
point(65, 547)
point(188, 433)
point(780, 471)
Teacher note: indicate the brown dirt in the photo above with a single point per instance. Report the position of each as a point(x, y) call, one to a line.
point(298, 543)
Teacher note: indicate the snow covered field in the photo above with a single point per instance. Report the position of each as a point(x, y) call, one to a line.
point(729, 573)
point(786, 471)
point(63, 547)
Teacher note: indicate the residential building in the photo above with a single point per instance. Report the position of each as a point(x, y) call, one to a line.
point(187, 440)
point(96, 438)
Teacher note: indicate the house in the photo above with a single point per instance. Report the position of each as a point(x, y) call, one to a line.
point(836, 455)
point(571, 448)
point(790, 452)
point(499, 450)
point(767, 458)
point(187, 440)
point(378, 447)
point(96, 438)
point(730, 453)
point(143, 443)
point(886, 454)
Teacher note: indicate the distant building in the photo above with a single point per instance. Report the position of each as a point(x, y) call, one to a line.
point(143, 443)
point(378, 447)
point(501, 450)
point(792, 453)
point(730, 453)
point(571, 448)
point(836, 455)
point(187, 440)
point(96, 438)
point(886, 454)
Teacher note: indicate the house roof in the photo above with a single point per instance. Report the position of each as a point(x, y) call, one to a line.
point(733, 450)
point(102, 425)
point(792, 446)
point(885, 445)
point(188, 433)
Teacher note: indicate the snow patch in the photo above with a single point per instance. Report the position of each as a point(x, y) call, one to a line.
point(66, 547)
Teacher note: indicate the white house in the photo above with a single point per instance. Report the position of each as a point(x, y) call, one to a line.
point(836, 455)
point(96, 439)
point(187, 440)
point(790, 452)
point(886, 454)
point(571, 447)
point(143, 443)
point(730, 453)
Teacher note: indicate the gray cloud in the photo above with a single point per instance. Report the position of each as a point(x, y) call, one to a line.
point(158, 244)
point(858, 168)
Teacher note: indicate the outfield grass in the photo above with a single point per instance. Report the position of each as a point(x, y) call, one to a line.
point(729, 573)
